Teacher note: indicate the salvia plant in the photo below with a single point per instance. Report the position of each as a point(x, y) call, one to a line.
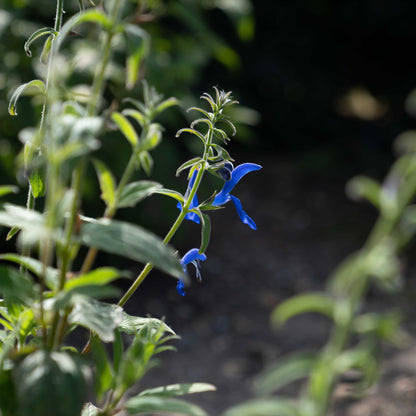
point(356, 336)
point(45, 295)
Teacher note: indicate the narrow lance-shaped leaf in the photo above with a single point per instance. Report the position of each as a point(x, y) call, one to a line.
point(173, 194)
point(146, 162)
point(8, 189)
point(39, 33)
point(148, 404)
point(178, 389)
point(23, 89)
point(192, 131)
point(205, 231)
point(138, 45)
point(130, 241)
point(107, 183)
point(126, 128)
point(37, 182)
point(136, 114)
point(135, 192)
point(313, 302)
point(188, 164)
point(166, 104)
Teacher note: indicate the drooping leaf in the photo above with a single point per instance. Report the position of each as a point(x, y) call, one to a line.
point(101, 318)
point(135, 192)
point(264, 407)
point(138, 45)
point(126, 128)
point(98, 277)
point(146, 404)
point(24, 89)
point(188, 164)
point(178, 389)
point(307, 303)
point(165, 104)
point(130, 241)
point(284, 372)
point(173, 194)
point(44, 379)
point(107, 183)
point(39, 33)
point(192, 131)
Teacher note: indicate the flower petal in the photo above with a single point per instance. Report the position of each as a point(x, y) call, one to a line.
point(236, 175)
point(180, 287)
point(191, 256)
point(242, 214)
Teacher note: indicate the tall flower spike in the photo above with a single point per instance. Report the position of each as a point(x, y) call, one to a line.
point(224, 196)
point(194, 257)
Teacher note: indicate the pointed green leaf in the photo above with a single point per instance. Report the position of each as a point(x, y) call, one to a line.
point(133, 324)
point(146, 161)
point(173, 194)
point(205, 231)
point(12, 233)
point(264, 407)
point(135, 192)
point(166, 104)
point(178, 389)
point(284, 372)
point(37, 182)
point(39, 33)
point(15, 287)
point(153, 137)
point(146, 404)
point(107, 183)
point(47, 46)
point(138, 45)
point(101, 318)
point(24, 89)
point(98, 277)
point(126, 128)
point(130, 241)
point(137, 115)
point(192, 131)
point(188, 164)
point(8, 189)
point(307, 303)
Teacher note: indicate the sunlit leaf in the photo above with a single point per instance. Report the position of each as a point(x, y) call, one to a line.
point(178, 389)
point(135, 192)
point(107, 183)
point(8, 189)
point(24, 89)
point(126, 128)
point(39, 33)
point(133, 324)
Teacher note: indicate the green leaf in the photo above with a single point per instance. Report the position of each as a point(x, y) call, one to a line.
point(133, 324)
point(37, 182)
point(137, 115)
point(284, 372)
point(34, 266)
point(101, 318)
point(126, 128)
point(188, 164)
point(8, 189)
point(107, 183)
point(166, 104)
point(192, 131)
point(131, 241)
point(12, 233)
point(49, 383)
point(16, 288)
point(364, 187)
point(147, 162)
point(138, 46)
point(137, 405)
point(98, 277)
point(39, 33)
point(178, 390)
point(264, 407)
point(173, 194)
point(47, 46)
point(118, 350)
point(310, 302)
point(135, 192)
point(104, 377)
point(24, 89)
point(153, 137)
point(205, 231)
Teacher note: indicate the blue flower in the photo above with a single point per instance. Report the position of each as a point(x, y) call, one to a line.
point(224, 196)
point(194, 257)
point(234, 175)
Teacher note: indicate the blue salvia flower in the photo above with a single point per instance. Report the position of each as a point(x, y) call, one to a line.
point(194, 257)
point(224, 196)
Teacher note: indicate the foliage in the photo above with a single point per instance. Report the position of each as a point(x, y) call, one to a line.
point(356, 335)
point(44, 295)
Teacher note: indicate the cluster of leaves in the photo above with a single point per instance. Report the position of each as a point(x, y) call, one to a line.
point(356, 335)
point(45, 298)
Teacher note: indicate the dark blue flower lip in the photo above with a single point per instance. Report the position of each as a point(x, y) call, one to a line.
point(194, 257)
